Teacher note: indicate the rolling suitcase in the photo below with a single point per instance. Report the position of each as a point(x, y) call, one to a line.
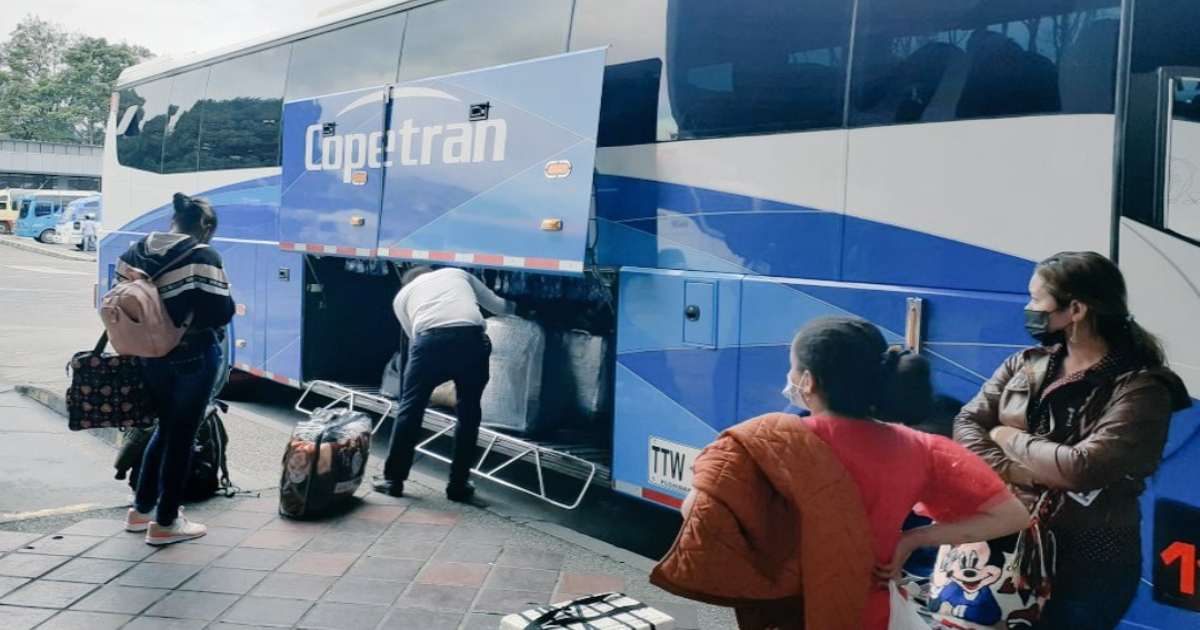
point(324, 462)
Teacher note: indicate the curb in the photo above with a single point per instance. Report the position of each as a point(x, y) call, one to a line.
point(11, 241)
point(56, 402)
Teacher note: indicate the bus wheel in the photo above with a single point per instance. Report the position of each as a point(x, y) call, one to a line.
point(45, 236)
point(4, 228)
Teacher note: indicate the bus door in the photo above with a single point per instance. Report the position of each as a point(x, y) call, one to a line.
point(1159, 252)
point(494, 167)
point(333, 155)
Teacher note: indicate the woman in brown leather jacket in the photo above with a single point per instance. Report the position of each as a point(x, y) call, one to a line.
point(1083, 416)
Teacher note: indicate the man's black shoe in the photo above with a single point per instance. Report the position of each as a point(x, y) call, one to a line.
point(461, 493)
point(380, 484)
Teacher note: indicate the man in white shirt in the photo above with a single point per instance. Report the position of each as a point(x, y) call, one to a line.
point(87, 229)
point(440, 313)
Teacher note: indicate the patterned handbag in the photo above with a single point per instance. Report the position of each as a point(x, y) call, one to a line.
point(1001, 584)
point(107, 391)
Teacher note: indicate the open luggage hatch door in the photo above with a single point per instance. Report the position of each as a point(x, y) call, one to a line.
point(494, 167)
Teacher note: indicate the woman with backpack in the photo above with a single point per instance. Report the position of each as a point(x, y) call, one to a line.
point(191, 282)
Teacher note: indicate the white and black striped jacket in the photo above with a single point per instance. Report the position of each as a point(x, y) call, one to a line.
point(195, 284)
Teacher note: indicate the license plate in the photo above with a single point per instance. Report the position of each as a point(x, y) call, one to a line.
point(670, 465)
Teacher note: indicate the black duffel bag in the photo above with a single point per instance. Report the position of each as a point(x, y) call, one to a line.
point(108, 391)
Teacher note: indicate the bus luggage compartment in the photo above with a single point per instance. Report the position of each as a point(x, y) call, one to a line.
point(351, 333)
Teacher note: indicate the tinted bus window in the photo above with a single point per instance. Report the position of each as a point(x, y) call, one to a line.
point(358, 56)
point(141, 121)
point(181, 146)
point(242, 113)
point(457, 35)
point(917, 61)
point(635, 108)
point(767, 66)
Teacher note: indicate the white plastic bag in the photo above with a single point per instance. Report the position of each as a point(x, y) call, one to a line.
point(903, 612)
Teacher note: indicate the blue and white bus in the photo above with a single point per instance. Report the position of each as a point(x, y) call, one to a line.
point(757, 164)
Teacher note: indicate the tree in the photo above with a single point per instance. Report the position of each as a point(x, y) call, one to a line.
point(85, 85)
point(55, 85)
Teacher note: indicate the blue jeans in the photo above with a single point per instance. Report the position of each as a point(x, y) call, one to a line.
point(181, 385)
point(459, 354)
point(1092, 599)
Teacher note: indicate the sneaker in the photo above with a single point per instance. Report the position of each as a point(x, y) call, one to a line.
point(460, 493)
point(179, 531)
point(381, 484)
point(136, 521)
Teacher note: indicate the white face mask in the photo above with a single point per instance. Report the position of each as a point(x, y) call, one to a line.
point(793, 394)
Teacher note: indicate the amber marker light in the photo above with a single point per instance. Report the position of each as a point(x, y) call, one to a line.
point(558, 169)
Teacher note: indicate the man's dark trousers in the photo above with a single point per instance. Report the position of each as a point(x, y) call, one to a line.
point(459, 354)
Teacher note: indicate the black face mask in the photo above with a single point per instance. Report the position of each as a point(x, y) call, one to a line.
point(1038, 324)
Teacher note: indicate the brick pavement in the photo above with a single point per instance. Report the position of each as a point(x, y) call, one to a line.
point(417, 563)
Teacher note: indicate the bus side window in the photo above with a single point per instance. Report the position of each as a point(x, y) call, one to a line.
point(243, 109)
point(140, 146)
point(448, 36)
point(350, 58)
point(929, 62)
point(635, 107)
point(770, 66)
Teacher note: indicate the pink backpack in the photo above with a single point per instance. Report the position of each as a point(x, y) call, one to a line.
point(136, 318)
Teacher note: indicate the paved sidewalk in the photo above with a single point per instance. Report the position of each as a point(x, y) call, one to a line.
point(418, 563)
point(58, 251)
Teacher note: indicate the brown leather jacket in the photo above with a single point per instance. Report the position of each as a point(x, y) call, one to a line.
point(1122, 428)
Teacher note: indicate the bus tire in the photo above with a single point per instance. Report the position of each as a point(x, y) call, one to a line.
point(4, 228)
point(45, 236)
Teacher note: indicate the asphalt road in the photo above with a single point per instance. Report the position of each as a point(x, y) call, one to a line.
point(46, 314)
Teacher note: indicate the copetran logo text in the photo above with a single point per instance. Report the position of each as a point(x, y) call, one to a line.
point(407, 144)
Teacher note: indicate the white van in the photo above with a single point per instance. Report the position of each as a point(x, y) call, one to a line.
point(69, 229)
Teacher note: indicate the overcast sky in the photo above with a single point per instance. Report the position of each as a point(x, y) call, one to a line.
point(168, 27)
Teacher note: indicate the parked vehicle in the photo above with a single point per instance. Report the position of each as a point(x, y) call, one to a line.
point(10, 201)
point(69, 229)
point(39, 214)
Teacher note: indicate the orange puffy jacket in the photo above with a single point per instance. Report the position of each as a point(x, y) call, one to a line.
point(777, 530)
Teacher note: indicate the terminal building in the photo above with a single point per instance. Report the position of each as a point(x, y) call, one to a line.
point(50, 165)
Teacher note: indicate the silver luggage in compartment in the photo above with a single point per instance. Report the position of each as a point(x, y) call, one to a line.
point(578, 377)
point(512, 400)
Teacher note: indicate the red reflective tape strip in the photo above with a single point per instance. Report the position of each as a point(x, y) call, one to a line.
point(541, 263)
point(345, 251)
point(313, 248)
point(443, 256)
point(287, 246)
point(279, 378)
point(489, 259)
point(665, 499)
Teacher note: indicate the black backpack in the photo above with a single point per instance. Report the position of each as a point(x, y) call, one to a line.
point(210, 473)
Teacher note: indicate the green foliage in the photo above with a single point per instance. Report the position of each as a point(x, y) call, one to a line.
point(55, 86)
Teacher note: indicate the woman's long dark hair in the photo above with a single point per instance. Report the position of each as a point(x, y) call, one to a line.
point(193, 216)
point(1097, 282)
point(859, 376)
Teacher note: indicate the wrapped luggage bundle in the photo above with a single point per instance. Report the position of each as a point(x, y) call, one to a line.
point(324, 462)
point(604, 611)
point(513, 398)
point(577, 377)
